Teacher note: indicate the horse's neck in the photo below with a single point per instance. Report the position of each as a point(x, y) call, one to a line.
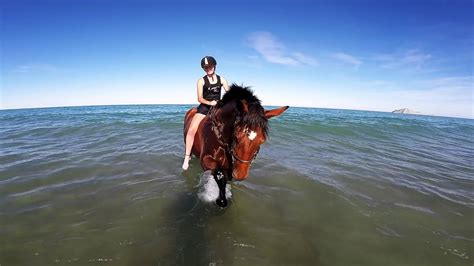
point(224, 126)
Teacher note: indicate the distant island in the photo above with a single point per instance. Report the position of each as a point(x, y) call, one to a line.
point(406, 111)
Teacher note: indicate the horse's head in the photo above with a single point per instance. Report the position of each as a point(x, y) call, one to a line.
point(249, 134)
point(249, 129)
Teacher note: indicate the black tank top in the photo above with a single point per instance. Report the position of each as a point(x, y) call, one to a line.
point(211, 91)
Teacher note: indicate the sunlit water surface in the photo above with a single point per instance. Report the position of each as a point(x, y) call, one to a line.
point(103, 185)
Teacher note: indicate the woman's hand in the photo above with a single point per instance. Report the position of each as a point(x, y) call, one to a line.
point(212, 103)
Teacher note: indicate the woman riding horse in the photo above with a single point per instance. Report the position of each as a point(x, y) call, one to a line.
point(228, 139)
point(209, 92)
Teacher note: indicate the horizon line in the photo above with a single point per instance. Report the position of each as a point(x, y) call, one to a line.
point(271, 105)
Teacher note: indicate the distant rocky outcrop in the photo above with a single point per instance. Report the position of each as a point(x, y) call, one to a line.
point(406, 111)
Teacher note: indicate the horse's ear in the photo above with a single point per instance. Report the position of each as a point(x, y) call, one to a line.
point(245, 106)
point(275, 112)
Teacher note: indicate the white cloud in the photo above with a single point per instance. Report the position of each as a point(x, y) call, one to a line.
point(464, 82)
point(448, 96)
point(445, 96)
point(37, 67)
point(274, 51)
point(411, 59)
point(346, 58)
point(305, 59)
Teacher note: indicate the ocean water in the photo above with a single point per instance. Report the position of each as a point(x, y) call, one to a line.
point(103, 185)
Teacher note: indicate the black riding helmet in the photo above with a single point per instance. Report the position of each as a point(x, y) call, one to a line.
point(208, 61)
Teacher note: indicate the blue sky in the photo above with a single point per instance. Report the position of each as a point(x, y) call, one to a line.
point(367, 55)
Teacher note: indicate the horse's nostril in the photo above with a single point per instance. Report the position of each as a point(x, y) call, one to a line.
point(238, 176)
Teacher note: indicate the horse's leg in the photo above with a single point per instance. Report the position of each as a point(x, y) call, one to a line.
point(229, 175)
point(221, 181)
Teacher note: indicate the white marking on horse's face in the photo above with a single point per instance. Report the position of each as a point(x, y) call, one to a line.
point(252, 135)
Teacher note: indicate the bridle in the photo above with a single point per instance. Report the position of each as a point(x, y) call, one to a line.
point(235, 157)
point(229, 148)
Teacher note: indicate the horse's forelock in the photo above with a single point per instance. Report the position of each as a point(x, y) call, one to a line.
point(244, 106)
point(254, 118)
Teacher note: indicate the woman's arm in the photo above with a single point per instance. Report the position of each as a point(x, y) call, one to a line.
point(224, 84)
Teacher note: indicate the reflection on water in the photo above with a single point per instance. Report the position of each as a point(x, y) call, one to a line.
point(92, 185)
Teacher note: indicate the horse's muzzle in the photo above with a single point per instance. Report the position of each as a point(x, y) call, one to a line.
point(240, 175)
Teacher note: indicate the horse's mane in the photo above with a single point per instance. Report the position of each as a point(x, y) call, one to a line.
point(255, 117)
point(237, 92)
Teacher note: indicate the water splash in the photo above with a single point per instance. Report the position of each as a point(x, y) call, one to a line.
point(209, 191)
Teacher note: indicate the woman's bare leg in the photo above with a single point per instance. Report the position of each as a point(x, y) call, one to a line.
point(190, 138)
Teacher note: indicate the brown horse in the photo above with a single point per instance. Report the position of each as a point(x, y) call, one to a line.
point(229, 137)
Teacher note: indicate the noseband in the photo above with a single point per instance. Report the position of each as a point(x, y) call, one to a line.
point(235, 157)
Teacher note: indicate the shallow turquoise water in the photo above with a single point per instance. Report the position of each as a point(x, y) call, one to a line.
point(103, 185)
